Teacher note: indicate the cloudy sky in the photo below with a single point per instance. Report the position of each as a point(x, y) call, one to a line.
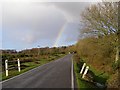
point(29, 24)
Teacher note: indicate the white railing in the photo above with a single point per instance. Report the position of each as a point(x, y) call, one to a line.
point(84, 70)
point(6, 66)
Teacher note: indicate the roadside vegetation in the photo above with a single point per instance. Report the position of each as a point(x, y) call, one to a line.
point(99, 47)
point(29, 59)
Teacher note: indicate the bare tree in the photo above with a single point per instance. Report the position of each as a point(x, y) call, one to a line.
point(102, 20)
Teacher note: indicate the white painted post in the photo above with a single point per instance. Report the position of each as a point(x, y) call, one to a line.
point(82, 68)
point(86, 70)
point(6, 67)
point(18, 65)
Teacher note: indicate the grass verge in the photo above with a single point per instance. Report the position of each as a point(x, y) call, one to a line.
point(82, 84)
point(98, 76)
point(28, 66)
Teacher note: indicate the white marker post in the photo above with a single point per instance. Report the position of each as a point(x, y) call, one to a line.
point(18, 65)
point(82, 68)
point(6, 67)
point(86, 70)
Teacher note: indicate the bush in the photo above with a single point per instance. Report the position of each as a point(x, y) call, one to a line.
point(113, 81)
point(96, 52)
point(116, 65)
point(100, 54)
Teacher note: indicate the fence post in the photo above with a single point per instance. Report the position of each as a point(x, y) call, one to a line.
point(18, 65)
point(6, 67)
point(86, 70)
point(82, 68)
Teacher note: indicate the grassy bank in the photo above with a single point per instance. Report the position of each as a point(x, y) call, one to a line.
point(98, 76)
point(99, 55)
point(82, 84)
point(25, 66)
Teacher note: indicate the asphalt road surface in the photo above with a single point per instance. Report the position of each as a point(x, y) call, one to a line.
point(56, 74)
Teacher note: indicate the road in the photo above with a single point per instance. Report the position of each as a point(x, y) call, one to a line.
point(56, 74)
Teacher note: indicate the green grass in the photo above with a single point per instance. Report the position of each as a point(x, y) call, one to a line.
point(29, 65)
point(98, 76)
point(82, 84)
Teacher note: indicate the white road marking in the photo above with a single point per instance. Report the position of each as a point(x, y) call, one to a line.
point(72, 76)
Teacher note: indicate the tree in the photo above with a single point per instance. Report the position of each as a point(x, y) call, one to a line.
point(102, 20)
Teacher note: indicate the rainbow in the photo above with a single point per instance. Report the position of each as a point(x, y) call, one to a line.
point(59, 37)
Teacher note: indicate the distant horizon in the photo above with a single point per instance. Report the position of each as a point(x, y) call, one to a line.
point(34, 47)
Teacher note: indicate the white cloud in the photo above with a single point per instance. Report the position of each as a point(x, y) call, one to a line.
point(31, 23)
point(0, 25)
point(54, 0)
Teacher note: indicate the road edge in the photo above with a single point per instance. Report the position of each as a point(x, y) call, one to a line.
point(29, 70)
point(72, 75)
